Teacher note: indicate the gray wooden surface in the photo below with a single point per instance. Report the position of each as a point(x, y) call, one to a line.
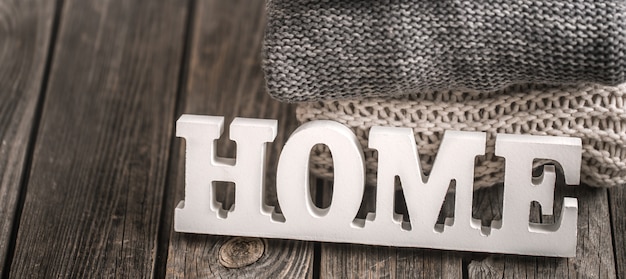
point(25, 31)
point(617, 197)
point(225, 79)
point(94, 193)
point(90, 170)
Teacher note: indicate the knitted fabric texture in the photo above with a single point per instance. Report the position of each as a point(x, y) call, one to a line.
point(594, 113)
point(322, 50)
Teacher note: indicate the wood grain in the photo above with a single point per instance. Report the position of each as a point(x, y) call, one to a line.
point(363, 261)
point(25, 32)
point(594, 249)
point(594, 256)
point(617, 196)
point(98, 171)
point(225, 79)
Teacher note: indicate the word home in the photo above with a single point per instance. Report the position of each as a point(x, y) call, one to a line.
point(300, 218)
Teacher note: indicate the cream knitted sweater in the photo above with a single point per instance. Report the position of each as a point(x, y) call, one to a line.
point(595, 113)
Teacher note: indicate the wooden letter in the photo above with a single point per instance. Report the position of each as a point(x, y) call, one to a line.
point(292, 181)
point(200, 210)
point(398, 156)
point(520, 188)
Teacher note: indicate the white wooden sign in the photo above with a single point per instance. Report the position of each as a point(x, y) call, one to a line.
point(397, 156)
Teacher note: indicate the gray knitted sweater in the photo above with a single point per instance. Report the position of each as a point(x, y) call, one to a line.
point(336, 49)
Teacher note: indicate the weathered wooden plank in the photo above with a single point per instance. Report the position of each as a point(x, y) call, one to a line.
point(98, 171)
point(225, 79)
point(362, 261)
point(25, 32)
point(594, 249)
point(617, 196)
point(594, 260)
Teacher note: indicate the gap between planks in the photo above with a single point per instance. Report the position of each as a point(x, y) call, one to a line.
point(30, 30)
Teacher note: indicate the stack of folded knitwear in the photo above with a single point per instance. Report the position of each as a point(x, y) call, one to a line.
point(553, 68)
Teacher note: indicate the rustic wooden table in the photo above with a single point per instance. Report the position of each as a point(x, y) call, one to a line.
point(90, 169)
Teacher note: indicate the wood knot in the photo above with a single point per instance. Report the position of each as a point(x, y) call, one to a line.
point(238, 252)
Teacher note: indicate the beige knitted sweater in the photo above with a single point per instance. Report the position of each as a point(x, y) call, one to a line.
point(595, 113)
